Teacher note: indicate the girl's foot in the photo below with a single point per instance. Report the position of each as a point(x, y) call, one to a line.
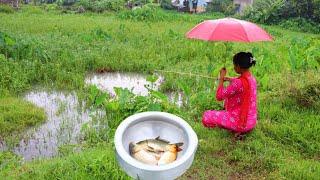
point(239, 136)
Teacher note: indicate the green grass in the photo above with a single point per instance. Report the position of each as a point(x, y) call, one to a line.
point(17, 114)
point(57, 50)
point(98, 163)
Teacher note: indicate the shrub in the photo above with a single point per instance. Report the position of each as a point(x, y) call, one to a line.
point(151, 12)
point(223, 6)
point(265, 11)
point(51, 7)
point(102, 5)
point(300, 24)
point(145, 13)
point(6, 9)
point(66, 2)
point(302, 14)
point(166, 4)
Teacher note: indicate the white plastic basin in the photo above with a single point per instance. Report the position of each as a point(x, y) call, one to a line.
point(150, 125)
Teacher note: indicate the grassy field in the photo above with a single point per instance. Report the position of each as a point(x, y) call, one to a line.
point(57, 50)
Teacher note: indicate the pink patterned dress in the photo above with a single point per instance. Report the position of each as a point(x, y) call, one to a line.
point(230, 117)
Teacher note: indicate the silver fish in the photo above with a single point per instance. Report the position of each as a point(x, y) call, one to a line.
point(155, 151)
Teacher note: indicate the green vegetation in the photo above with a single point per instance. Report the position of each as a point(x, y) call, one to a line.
point(17, 115)
point(102, 5)
point(57, 50)
point(166, 4)
point(297, 15)
point(98, 163)
point(272, 11)
point(292, 14)
point(6, 9)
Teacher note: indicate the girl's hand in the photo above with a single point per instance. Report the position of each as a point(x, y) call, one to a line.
point(223, 72)
point(227, 79)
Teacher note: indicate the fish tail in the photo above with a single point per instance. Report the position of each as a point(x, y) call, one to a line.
point(178, 149)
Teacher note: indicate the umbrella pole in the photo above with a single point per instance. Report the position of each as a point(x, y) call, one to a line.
point(228, 52)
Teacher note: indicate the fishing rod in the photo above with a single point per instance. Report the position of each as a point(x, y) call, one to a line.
point(190, 74)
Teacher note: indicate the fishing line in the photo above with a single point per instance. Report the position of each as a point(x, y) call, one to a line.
point(185, 73)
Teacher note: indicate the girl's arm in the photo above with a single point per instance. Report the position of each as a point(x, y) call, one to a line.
point(229, 91)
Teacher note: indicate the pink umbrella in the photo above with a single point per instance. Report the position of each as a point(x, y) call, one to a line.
point(228, 29)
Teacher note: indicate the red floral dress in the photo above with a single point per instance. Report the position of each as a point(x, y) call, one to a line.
point(233, 99)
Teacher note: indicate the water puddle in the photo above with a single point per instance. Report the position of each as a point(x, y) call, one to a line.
point(65, 118)
point(133, 81)
point(176, 97)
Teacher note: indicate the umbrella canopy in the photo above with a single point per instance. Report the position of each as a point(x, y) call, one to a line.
point(228, 29)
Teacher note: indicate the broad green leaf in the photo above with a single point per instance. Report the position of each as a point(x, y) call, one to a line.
point(100, 99)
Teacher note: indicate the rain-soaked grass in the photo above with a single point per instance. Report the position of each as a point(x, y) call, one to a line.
point(59, 50)
point(17, 115)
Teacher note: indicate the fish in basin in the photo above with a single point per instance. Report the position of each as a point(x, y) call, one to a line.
point(155, 151)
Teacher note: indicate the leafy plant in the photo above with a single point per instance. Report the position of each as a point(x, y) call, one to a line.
point(124, 104)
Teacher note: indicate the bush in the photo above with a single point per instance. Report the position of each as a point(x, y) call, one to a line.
point(102, 5)
point(51, 7)
point(66, 2)
point(145, 13)
point(300, 24)
point(151, 12)
point(303, 15)
point(267, 12)
point(223, 6)
point(166, 4)
point(6, 9)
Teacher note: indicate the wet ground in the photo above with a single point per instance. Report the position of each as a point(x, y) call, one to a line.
point(66, 115)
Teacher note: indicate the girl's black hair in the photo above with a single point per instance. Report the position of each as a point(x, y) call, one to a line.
point(244, 60)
